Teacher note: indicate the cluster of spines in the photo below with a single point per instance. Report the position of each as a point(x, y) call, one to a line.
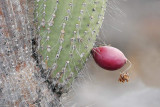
point(67, 31)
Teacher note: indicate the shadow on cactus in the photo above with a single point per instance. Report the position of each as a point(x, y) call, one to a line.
point(67, 31)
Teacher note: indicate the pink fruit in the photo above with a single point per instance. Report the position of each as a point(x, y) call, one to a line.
point(108, 57)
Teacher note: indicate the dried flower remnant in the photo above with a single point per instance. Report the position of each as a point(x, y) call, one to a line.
point(124, 77)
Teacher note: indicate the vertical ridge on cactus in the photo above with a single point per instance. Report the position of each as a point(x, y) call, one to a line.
point(67, 31)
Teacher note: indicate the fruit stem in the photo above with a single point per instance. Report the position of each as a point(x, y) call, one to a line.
point(130, 65)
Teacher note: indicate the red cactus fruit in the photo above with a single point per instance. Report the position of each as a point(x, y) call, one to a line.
point(108, 57)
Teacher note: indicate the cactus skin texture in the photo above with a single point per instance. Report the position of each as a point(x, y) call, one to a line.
point(67, 31)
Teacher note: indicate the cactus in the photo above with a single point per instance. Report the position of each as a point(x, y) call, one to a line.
point(67, 32)
point(21, 84)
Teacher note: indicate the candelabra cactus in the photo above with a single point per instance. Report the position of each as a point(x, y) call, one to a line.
point(67, 32)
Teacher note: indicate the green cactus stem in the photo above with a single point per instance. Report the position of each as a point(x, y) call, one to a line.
point(67, 30)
